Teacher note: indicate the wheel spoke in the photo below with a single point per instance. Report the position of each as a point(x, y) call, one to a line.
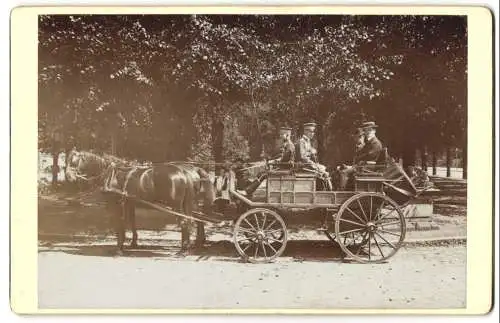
point(389, 223)
point(369, 246)
point(379, 209)
point(384, 216)
point(276, 240)
point(249, 224)
point(388, 242)
point(269, 226)
point(263, 248)
point(378, 246)
point(256, 250)
point(362, 210)
point(273, 231)
point(264, 221)
point(271, 246)
point(351, 231)
point(256, 221)
point(248, 246)
point(371, 207)
point(389, 232)
point(247, 231)
point(352, 222)
point(348, 209)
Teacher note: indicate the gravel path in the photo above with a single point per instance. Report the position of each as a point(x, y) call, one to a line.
point(417, 277)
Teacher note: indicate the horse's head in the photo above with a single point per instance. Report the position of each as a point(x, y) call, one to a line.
point(83, 165)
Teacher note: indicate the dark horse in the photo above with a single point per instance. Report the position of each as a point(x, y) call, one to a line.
point(176, 185)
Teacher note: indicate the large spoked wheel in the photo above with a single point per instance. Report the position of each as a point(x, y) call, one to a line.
point(370, 227)
point(260, 235)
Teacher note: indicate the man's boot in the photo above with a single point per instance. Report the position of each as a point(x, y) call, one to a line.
point(255, 184)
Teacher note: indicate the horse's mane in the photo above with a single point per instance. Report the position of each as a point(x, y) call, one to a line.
point(115, 159)
point(103, 159)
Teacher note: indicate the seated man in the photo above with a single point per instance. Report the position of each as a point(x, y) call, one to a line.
point(372, 148)
point(284, 161)
point(286, 158)
point(368, 152)
point(306, 154)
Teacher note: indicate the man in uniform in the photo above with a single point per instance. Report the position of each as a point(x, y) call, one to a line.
point(306, 154)
point(287, 149)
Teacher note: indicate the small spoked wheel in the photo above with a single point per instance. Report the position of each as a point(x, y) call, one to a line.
point(260, 235)
point(370, 227)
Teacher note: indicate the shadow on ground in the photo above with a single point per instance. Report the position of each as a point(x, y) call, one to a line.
point(299, 250)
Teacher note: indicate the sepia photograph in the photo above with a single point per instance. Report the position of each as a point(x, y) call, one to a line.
point(252, 161)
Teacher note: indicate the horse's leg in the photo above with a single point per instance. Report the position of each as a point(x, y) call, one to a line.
point(185, 227)
point(185, 234)
point(118, 215)
point(133, 227)
point(200, 234)
point(200, 229)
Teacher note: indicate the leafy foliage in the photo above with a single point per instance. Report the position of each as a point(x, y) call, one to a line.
point(219, 87)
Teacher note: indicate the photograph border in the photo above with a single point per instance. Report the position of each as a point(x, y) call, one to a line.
point(24, 122)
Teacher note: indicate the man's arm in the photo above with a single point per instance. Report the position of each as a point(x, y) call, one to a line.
point(370, 151)
point(304, 157)
point(291, 149)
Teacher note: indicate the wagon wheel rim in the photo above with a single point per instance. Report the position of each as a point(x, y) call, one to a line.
point(370, 227)
point(260, 235)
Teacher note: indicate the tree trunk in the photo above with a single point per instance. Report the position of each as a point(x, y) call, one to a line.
point(464, 160)
point(55, 166)
point(448, 161)
point(321, 144)
point(255, 144)
point(113, 144)
point(408, 157)
point(217, 138)
point(434, 162)
point(66, 154)
point(423, 157)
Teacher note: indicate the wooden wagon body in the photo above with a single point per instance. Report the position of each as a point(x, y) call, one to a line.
point(353, 218)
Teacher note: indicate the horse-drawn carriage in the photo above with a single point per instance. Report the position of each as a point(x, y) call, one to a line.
point(366, 221)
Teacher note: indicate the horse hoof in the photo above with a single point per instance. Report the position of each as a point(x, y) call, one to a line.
point(119, 253)
point(134, 246)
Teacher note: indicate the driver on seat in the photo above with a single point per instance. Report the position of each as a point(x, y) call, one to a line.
point(287, 150)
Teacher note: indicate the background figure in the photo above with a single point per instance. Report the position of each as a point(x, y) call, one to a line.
point(359, 138)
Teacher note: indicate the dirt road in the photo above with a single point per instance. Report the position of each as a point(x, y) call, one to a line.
point(78, 269)
point(89, 277)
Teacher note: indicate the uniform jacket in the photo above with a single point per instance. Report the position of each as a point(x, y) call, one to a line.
point(287, 152)
point(305, 151)
point(371, 151)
